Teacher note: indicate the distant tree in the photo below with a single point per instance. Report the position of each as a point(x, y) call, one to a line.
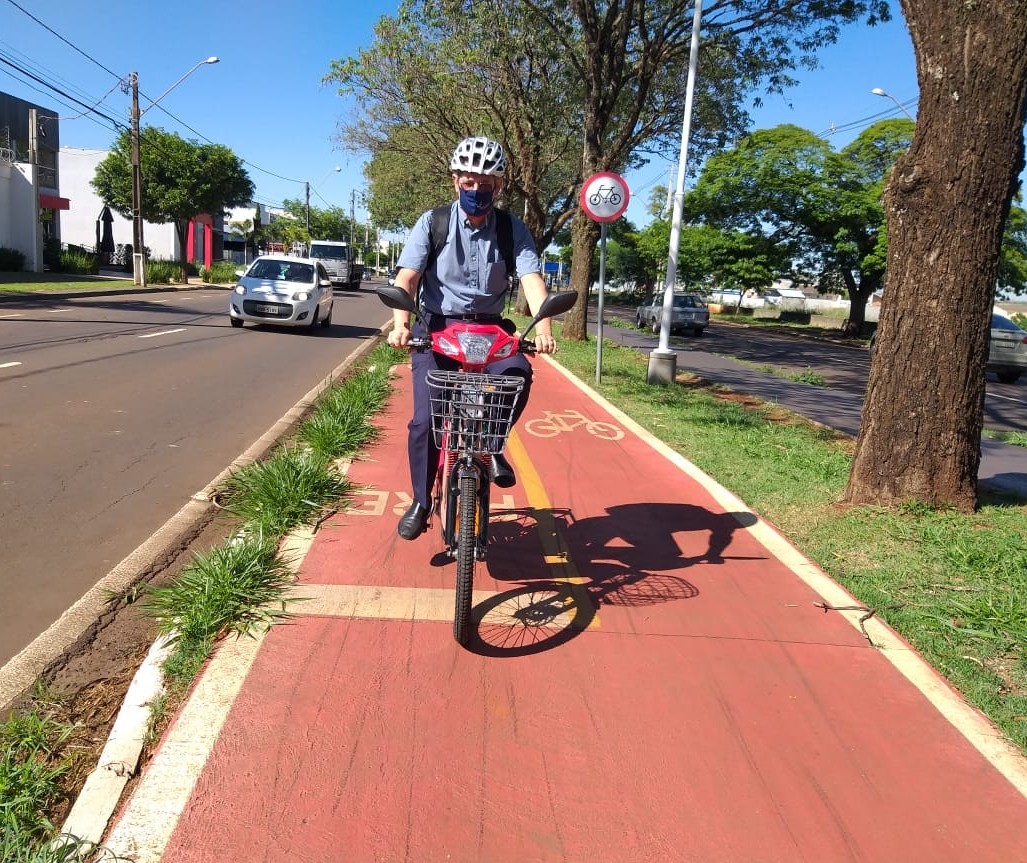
point(247, 230)
point(788, 188)
point(709, 257)
point(1012, 265)
point(181, 180)
point(946, 202)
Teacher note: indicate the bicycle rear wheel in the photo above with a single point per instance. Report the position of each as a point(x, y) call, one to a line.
point(465, 555)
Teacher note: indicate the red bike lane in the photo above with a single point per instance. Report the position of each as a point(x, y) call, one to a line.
point(649, 682)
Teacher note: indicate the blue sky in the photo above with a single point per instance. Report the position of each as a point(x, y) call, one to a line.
point(265, 101)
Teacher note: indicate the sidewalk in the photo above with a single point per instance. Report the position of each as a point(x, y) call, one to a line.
point(651, 682)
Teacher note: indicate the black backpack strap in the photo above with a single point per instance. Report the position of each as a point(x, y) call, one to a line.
point(438, 232)
point(504, 237)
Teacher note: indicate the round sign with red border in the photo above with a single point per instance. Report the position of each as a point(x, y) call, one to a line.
point(604, 197)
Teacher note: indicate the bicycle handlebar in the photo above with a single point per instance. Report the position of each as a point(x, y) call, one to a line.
point(416, 344)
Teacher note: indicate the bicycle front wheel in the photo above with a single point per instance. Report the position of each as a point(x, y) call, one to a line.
point(465, 548)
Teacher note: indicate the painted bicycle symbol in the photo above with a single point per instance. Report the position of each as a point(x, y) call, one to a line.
point(553, 424)
point(605, 195)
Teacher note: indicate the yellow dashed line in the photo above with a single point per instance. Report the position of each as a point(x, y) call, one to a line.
point(553, 546)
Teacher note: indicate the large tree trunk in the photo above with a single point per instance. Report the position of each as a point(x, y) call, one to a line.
point(584, 236)
point(946, 204)
point(859, 292)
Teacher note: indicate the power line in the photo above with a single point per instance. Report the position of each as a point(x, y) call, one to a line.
point(153, 104)
point(65, 41)
point(57, 89)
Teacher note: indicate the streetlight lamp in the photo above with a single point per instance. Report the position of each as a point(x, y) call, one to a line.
point(138, 262)
point(877, 91)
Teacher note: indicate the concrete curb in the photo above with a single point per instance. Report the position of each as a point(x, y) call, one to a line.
point(119, 759)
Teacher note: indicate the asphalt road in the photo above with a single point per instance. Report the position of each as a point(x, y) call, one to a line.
point(843, 364)
point(116, 410)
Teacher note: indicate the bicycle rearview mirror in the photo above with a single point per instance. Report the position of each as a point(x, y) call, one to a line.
point(553, 305)
point(397, 298)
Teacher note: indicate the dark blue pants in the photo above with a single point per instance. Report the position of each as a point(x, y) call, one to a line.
point(421, 449)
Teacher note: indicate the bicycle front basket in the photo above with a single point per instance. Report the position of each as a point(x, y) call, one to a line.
point(477, 410)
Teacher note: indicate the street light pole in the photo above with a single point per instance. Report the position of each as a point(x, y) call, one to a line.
point(878, 91)
point(662, 360)
point(138, 255)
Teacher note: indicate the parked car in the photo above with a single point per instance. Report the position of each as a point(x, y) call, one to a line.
point(281, 290)
point(1007, 353)
point(1007, 349)
point(688, 312)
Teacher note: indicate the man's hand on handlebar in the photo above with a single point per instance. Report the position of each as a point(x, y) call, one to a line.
point(545, 344)
point(399, 335)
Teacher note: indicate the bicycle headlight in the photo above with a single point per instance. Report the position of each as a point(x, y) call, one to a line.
point(448, 348)
point(476, 346)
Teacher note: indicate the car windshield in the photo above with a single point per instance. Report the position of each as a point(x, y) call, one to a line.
point(687, 302)
point(288, 271)
point(337, 253)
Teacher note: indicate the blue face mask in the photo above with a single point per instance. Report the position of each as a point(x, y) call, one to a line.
point(476, 202)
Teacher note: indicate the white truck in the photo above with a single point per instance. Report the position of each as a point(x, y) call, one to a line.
point(338, 259)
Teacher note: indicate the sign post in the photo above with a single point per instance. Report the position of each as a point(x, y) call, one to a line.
point(604, 198)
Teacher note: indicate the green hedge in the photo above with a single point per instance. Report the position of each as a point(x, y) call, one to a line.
point(221, 273)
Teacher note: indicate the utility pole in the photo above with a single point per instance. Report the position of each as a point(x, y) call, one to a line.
point(352, 217)
point(307, 184)
point(138, 262)
point(37, 234)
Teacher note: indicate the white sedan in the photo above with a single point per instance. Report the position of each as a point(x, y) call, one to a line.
point(282, 290)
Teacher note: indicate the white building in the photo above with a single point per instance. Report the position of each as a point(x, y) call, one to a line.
point(79, 221)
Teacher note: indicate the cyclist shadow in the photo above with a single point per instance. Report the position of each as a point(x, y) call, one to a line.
point(623, 558)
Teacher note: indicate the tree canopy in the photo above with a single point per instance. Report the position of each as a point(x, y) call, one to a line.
point(819, 208)
point(570, 88)
point(181, 179)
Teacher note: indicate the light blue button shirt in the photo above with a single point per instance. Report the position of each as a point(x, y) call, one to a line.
point(469, 275)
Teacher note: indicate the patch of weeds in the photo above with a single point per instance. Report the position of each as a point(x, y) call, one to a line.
point(290, 488)
point(30, 782)
point(808, 377)
point(1015, 438)
point(231, 588)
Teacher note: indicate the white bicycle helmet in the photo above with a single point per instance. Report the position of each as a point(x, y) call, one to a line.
point(479, 156)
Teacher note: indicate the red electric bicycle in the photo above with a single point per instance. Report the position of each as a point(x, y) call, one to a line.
point(471, 412)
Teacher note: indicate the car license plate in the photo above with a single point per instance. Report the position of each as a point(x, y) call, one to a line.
point(268, 310)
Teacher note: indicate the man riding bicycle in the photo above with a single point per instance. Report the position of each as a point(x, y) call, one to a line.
point(457, 265)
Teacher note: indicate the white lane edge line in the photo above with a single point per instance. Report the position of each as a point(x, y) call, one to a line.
point(13, 315)
point(162, 333)
point(975, 727)
point(8, 365)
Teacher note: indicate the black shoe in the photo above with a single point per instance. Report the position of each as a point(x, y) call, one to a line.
point(414, 521)
point(502, 473)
